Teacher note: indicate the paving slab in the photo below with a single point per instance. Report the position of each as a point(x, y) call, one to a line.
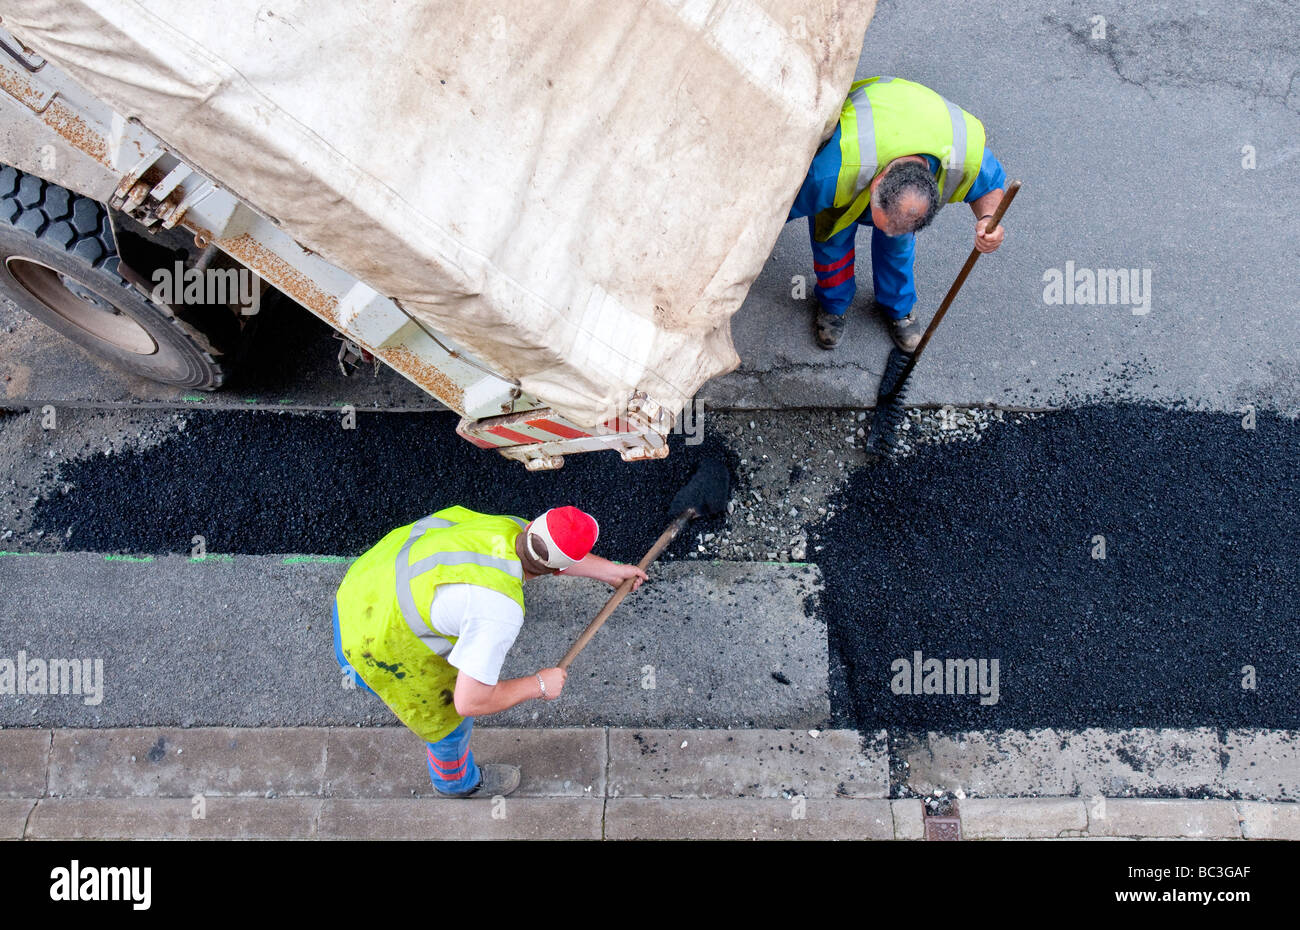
point(1263, 821)
point(24, 755)
point(1263, 763)
point(748, 819)
point(173, 818)
point(707, 644)
point(375, 762)
point(387, 762)
point(1021, 818)
point(746, 763)
point(444, 819)
point(560, 763)
point(184, 763)
point(1195, 762)
point(1120, 763)
point(909, 819)
point(987, 763)
point(1164, 818)
point(370, 783)
point(13, 817)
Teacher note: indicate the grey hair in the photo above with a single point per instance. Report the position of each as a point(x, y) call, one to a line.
point(908, 178)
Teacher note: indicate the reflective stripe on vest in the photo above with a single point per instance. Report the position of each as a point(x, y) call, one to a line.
point(957, 155)
point(407, 572)
point(865, 127)
point(870, 139)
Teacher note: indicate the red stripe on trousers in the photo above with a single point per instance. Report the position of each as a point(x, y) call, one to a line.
point(847, 259)
point(836, 279)
point(444, 767)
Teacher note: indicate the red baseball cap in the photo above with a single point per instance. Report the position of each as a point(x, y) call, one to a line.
point(561, 537)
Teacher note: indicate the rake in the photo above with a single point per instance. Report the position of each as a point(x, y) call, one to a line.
point(890, 413)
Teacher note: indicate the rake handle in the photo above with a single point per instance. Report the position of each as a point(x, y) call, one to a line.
point(666, 537)
point(1007, 197)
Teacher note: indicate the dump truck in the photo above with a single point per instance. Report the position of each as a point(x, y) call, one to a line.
point(544, 215)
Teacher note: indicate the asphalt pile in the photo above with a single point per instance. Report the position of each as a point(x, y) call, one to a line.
point(708, 490)
point(991, 550)
point(258, 482)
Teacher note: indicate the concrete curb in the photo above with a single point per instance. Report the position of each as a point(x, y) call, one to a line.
point(579, 783)
point(1200, 762)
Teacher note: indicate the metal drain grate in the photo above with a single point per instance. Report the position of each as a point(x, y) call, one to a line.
point(944, 823)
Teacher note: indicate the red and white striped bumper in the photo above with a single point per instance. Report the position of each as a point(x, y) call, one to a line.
point(541, 438)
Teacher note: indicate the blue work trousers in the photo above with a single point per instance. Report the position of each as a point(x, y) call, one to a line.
point(891, 269)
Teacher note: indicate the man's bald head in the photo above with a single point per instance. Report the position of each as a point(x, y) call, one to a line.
point(907, 196)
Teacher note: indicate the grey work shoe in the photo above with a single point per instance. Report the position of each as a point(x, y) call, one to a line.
point(906, 333)
point(829, 327)
point(495, 780)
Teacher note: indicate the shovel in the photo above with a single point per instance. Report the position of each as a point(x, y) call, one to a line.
point(705, 494)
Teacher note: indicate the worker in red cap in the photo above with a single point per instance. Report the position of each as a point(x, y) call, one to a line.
point(424, 620)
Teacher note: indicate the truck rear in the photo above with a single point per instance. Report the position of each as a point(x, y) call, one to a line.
point(543, 218)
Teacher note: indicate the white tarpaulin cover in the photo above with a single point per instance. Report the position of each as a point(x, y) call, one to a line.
point(579, 192)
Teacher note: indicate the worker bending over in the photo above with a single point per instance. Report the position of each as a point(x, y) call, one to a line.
point(899, 153)
point(425, 618)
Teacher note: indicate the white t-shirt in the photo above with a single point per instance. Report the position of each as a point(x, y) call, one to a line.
point(486, 623)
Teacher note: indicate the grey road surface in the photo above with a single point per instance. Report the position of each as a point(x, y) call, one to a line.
point(246, 641)
point(1165, 140)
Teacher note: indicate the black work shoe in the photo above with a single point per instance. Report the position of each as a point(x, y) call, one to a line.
point(829, 326)
point(495, 780)
point(906, 333)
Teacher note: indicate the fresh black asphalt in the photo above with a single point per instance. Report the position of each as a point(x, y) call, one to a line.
point(979, 550)
point(257, 482)
point(986, 551)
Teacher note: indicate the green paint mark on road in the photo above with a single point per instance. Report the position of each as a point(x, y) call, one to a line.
point(324, 559)
point(214, 557)
point(2, 553)
point(128, 558)
point(192, 398)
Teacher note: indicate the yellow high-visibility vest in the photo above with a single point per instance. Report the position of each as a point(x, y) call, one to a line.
point(884, 118)
point(384, 605)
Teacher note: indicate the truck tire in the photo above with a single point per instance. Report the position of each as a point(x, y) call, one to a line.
point(58, 262)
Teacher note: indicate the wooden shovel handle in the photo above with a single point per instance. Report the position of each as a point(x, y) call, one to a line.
point(666, 537)
point(1007, 197)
